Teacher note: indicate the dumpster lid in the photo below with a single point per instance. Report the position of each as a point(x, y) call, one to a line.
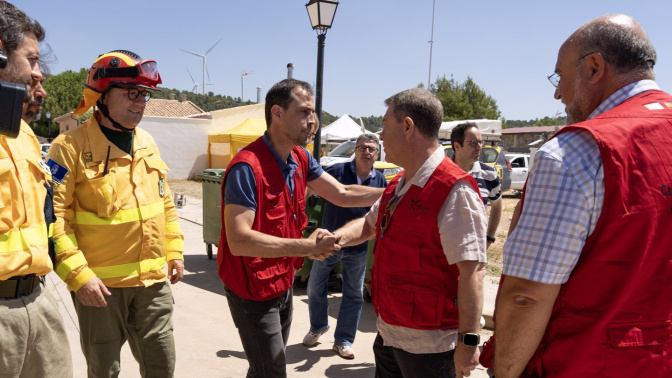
point(211, 173)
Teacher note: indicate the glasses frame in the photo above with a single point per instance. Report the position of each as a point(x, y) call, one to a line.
point(554, 78)
point(146, 94)
point(362, 148)
point(474, 143)
point(387, 213)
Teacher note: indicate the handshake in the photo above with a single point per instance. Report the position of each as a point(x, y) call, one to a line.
point(326, 244)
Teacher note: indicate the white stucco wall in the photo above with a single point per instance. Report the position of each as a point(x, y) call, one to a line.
point(183, 143)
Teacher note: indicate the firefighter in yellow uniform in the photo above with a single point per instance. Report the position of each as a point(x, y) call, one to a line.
point(33, 341)
point(116, 224)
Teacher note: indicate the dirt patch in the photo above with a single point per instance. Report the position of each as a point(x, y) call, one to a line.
point(190, 188)
point(495, 252)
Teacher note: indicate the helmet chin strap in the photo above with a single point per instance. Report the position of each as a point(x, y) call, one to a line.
point(106, 113)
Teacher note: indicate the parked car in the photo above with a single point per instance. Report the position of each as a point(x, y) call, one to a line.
point(346, 152)
point(492, 156)
point(520, 167)
point(44, 147)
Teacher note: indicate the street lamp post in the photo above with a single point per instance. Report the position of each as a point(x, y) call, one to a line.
point(48, 115)
point(321, 13)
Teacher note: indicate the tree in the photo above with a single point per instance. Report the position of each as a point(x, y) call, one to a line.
point(464, 100)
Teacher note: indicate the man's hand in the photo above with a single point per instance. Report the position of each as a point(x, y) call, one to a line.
point(466, 359)
point(489, 244)
point(325, 244)
point(91, 294)
point(175, 271)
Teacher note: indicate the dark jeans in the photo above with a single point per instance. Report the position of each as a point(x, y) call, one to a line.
point(394, 362)
point(263, 327)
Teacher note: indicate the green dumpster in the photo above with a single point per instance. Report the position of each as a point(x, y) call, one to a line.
point(211, 180)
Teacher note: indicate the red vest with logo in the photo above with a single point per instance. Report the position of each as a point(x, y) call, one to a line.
point(277, 214)
point(613, 316)
point(412, 284)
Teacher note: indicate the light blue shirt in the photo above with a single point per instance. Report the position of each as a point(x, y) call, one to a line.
point(563, 200)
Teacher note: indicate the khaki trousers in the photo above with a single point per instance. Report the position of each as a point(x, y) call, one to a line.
point(141, 315)
point(33, 342)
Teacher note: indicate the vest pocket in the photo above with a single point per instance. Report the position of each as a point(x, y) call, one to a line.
point(105, 191)
point(414, 304)
point(638, 346)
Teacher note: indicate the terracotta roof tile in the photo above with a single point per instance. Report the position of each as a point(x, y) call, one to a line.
point(171, 108)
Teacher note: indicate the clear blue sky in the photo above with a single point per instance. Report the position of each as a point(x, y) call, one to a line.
point(374, 49)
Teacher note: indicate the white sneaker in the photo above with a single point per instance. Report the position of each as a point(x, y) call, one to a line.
point(344, 351)
point(311, 338)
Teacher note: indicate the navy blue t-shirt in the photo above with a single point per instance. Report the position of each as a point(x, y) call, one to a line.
point(335, 216)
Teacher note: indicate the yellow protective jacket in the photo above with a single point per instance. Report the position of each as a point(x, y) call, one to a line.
point(121, 226)
point(23, 231)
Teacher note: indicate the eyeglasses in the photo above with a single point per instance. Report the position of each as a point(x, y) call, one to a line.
point(133, 93)
point(474, 143)
point(387, 214)
point(372, 150)
point(555, 77)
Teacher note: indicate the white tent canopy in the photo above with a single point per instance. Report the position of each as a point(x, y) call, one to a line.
point(491, 129)
point(342, 129)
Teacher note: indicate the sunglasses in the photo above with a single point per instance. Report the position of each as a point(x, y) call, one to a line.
point(387, 214)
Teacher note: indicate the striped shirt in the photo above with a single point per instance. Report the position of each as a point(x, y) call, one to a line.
point(563, 200)
point(487, 180)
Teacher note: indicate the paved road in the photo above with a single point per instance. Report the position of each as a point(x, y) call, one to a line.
point(207, 341)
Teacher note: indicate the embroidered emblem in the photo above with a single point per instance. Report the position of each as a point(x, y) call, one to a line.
point(58, 171)
point(416, 206)
point(298, 173)
point(162, 187)
point(88, 157)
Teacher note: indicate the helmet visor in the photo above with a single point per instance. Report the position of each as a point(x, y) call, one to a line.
point(148, 69)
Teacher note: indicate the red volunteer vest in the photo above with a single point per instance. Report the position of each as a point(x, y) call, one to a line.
point(612, 318)
point(412, 284)
point(277, 214)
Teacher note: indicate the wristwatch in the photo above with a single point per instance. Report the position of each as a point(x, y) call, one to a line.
point(490, 238)
point(469, 339)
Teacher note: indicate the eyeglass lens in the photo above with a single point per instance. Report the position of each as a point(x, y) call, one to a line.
point(387, 214)
point(365, 148)
point(133, 94)
point(474, 143)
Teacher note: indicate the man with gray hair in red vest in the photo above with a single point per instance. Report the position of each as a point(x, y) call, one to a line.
point(586, 291)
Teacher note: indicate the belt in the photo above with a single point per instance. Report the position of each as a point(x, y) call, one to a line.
point(19, 286)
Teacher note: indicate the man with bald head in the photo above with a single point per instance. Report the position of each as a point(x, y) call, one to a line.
point(586, 288)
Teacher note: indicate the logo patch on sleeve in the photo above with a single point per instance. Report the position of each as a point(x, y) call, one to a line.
point(58, 171)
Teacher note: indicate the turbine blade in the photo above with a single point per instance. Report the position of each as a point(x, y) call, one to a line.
point(191, 53)
point(213, 46)
point(192, 78)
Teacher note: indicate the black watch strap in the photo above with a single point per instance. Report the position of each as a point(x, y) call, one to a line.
point(469, 339)
point(490, 238)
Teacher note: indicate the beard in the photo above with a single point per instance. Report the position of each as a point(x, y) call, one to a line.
point(576, 111)
point(32, 115)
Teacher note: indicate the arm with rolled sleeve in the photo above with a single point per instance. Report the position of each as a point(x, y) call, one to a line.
point(462, 227)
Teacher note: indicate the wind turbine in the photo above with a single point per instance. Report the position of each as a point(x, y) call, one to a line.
point(242, 76)
point(195, 83)
point(205, 65)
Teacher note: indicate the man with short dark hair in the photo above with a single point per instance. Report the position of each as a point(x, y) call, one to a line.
point(430, 251)
point(467, 146)
point(585, 291)
point(359, 171)
point(263, 216)
point(33, 341)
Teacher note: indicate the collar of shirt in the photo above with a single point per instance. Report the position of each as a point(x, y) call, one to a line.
point(623, 94)
point(476, 167)
point(353, 168)
point(285, 167)
point(424, 173)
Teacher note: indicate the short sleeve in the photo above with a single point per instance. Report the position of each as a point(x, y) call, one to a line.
point(240, 187)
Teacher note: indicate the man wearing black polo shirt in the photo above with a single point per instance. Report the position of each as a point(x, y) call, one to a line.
point(467, 144)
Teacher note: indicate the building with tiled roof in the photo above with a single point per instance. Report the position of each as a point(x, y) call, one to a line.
point(521, 139)
point(158, 107)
